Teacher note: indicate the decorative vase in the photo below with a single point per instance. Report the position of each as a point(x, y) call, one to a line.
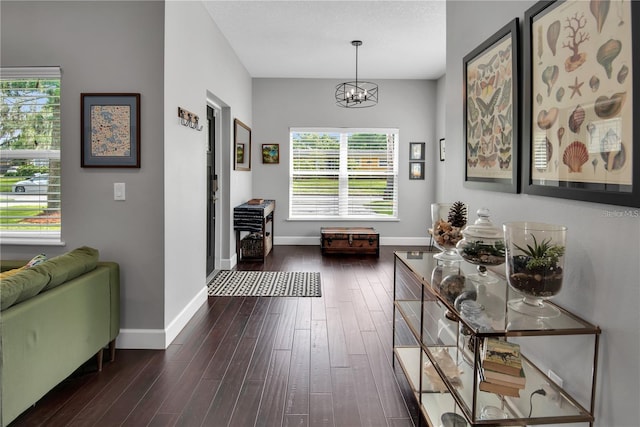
point(482, 245)
point(535, 265)
point(448, 220)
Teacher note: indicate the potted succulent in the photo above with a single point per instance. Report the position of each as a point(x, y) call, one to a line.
point(535, 264)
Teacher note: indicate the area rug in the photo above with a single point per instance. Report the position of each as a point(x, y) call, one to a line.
point(265, 284)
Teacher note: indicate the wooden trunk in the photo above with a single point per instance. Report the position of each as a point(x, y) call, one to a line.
point(350, 240)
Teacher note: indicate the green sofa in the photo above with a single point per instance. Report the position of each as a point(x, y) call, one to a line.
point(55, 316)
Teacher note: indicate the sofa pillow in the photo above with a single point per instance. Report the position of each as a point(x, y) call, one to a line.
point(68, 266)
point(38, 259)
point(21, 286)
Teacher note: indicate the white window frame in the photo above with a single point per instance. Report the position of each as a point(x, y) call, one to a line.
point(344, 174)
point(36, 236)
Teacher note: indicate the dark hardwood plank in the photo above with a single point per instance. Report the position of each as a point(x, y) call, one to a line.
point(321, 410)
point(370, 408)
point(320, 376)
point(345, 400)
point(271, 410)
point(297, 401)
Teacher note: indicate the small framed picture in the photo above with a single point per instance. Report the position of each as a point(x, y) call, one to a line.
point(416, 170)
point(271, 153)
point(110, 130)
point(239, 153)
point(441, 146)
point(416, 151)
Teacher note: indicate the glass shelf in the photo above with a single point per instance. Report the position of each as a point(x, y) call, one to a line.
point(493, 298)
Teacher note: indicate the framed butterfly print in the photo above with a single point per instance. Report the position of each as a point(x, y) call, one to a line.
point(491, 113)
point(581, 133)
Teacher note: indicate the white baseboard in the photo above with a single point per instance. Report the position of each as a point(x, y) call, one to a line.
point(158, 339)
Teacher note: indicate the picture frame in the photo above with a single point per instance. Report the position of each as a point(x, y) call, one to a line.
point(416, 150)
point(491, 112)
point(580, 128)
point(271, 153)
point(242, 146)
point(416, 170)
point(441, 148)
point(110, 130)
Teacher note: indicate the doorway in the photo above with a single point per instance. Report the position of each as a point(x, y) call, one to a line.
point(212, 187)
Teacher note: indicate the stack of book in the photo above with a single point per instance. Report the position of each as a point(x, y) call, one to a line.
point(501, 369)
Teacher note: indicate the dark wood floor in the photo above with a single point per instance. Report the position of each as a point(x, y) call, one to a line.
point(258, 361)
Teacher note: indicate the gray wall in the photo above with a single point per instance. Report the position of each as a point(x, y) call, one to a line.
point(603, 250)
point(103, 47)
point(279, 104)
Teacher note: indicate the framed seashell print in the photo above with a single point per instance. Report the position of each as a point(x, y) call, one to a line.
point(491, 113)
point(581, 134)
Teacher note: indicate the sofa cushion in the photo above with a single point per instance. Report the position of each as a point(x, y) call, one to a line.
point(21, 286)
point(68, 266)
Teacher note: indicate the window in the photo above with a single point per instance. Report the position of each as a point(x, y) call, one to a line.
point(343, 174)
point(30, 155)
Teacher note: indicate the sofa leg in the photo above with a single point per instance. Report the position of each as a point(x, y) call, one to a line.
point(112, 350)
point(99, 358)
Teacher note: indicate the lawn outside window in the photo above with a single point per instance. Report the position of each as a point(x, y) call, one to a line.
point(30, 168)
point(343, 173)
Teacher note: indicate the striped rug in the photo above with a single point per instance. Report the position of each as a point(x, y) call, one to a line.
point(265, 284)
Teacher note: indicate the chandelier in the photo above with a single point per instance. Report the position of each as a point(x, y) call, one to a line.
point(357, 94)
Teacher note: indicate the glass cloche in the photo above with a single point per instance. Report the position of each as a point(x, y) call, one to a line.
point(482, 244)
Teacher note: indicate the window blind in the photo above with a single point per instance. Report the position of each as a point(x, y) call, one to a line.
point(343, 174)
point(30, 168)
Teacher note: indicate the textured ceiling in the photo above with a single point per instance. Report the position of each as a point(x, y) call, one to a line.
point(312, 39)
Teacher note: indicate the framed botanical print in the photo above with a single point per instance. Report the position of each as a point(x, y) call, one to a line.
point(491, 113)
point(581, 135)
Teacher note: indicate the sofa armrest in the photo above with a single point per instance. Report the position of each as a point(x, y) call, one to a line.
point(114, 290)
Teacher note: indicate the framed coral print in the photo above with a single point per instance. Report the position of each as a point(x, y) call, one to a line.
point(416, 170)
point(242, 146)
point(110, 130)
point(416, 150)
point(491, 113)
point(581, 134)
point(271, 153)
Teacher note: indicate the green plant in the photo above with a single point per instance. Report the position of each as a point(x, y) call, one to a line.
point(543, 254)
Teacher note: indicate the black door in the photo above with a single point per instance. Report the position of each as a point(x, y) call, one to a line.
point(212, 187)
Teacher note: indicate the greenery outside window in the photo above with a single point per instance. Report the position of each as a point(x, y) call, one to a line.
point(30, 169)
point(343, 174)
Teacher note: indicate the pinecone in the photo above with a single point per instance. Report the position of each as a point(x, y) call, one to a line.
point(458, 215)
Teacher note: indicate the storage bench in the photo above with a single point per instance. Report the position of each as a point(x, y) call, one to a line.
point(350, 240)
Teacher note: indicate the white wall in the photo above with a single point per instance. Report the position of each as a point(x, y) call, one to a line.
point(603, 250)
point(103, 47)
point(198, 63)
point(409, 105)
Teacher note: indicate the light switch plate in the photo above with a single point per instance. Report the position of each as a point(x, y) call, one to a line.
point(119, 191)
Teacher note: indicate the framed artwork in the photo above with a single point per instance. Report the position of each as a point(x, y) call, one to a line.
point(110, 130)
point(416, 150)
point(491, 113)
point(271, 153)
point(239, 153)
point(416, 170)
point(579, 133)
point(441, 147)
point(242, 146)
